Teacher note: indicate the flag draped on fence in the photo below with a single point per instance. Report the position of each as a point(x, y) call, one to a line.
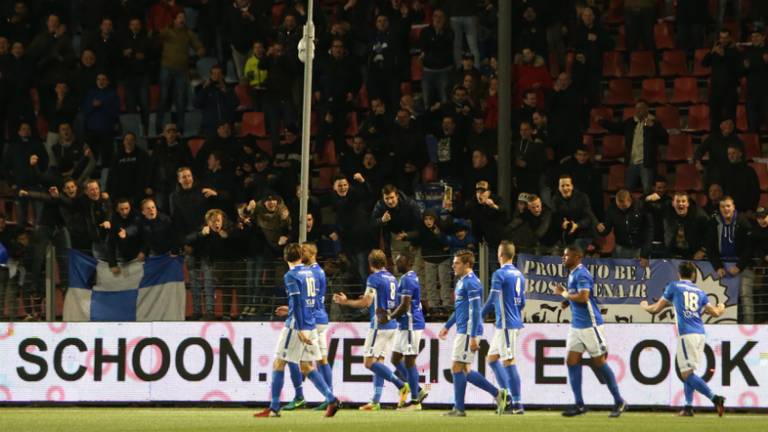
point(152, 290)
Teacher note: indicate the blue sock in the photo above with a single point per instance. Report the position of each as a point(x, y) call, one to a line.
point(700, 386)
point(317, 379)
point(402, 370)
point(277, 386)
point(610, 379)
point(574, 378)
point(378, 388)
point(413, 381)
point(514, 382)
point(386, 373)
point(478, 380)
point(297, 378)
point(325, 370)
point(501, 374)
point(688, 390)
point(459, 388)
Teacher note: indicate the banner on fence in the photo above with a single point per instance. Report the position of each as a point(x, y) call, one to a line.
point(620, 286)
point(149, 290)
point(226, 361)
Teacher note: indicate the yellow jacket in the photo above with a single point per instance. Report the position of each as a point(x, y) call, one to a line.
point(256, 77)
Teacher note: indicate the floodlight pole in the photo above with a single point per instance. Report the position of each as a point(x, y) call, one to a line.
point(309, 45)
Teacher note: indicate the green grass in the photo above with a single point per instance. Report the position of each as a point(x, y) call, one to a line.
point(240, 419)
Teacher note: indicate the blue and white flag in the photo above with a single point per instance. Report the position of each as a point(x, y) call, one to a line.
point(152, 290)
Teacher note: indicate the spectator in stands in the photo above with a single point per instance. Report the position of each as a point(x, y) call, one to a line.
point(69, 207)
point(281, 73)
point(436, 44)
point(538, 217)
point(590, 41)
point(451, 148)
point(585, 176)
point(531, 73)
point(83, 77)
point(524, 113)
point(158, 230)
point(135, 65)
point(726, 63)
point(162, 15)
point(464, 23)
point(642, 137)
point(756, 65)
point(485, 211)
point(740, 181)
point(566, 112)
point(59, 107)
point(177, 42)
point(531, 33)
point(482, 168)
point(101, 109)
point(395, 215)
point(129, 174)
point(759, 237)
point(95, 209)
point(540, 126)
point(727, 239)
point(640, 16)
point(375, 129)
point(632, 227)
point(216, 101)
point(287, 160)
point(18, 23)
point(338, 84)
point(375, 173)
point(106, 46)
point(690, 22)
point(168, 154)
point(352, 157)
point(125, 243)
point(384, 64)
point(25, 159)
point(52, 52)
point(245, 20)
point(482, 139)
point(530, 157)
point(657, 204)
point(429, 237)
point(714, 196)
point(684, 227)
point(572, 215)
point(21, 72)
point(406, 141)
point(716, 145)
point(218, 183)
point(256, 75)
point(274, 220)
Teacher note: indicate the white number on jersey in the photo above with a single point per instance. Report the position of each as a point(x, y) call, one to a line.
point(392, 290)
point(311, 290)
point(691, 301)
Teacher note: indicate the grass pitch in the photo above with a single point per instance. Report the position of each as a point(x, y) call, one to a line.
point(240, 419)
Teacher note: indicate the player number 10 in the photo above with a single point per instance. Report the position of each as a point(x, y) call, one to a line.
point(311, 291)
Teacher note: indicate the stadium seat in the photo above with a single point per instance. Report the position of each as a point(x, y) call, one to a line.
point(120, 89)
point(687, 178)
point(605, 245)
point(619, 92)
point(743, 90)
point(752, 147)
point(131, 122)
point(653, 91)
point(615, 13)
point(42, 127)
point(616, 175)
point(265, 145)
point(415, 34)
point(679, 148)
point(605, 113)
point(253, 124)
point(613, 66)
point(698, 69)
point(762, 174)
point(328, 155)
point(362, 97)
point(589, 142)
point(698, 118)
point(194, 145)
point(352, 126)
point(628, 113)
point(416, 69)
point(154, 97)
point(277, 14)
point(668, 116)
point(613, 147)
point(685, 90)
point(406, 88)
point(429, 173)
point(243, 92)
point(764, 200)
point(741, 118)
point(673, 63)
point(662, 36)
point(641, 64)
point(203, 67)
point(325, 180)
point(621, 39)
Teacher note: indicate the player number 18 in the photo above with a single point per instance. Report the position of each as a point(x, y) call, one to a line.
point(691, 301)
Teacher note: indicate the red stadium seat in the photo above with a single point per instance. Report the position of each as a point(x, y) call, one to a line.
point(615, 13)
point(653, 91)
point(743, 90)
point(685, 90)
point(680, 148)
point(619, 92)
point(605, 113)
point(194, 145)
point(687, 178)
point(764, 200)
point(613, 147)
point(589, 142)
point(698, 69)
point(642, 64)
point(605, 245)
point(762, 174)
point(616, 175)
point(662, 36)
point(326, 174)
point(668, 116)
point(673, 63)
point(328, 156)
point(253, 124)
point(154, 97)
point(243, 92)
point(352, 126)
point(752, 147)
point(741, 118)
point(415, 34)
point(416, 69)
point(429, 173)
point(613, 65)
point(362, 97)
point(698, 118)
point(628, 112)
point(621, 39)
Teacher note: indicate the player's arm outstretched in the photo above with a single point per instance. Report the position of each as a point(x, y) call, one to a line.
point(715, 311)
point(656, 307)
point(363, 302)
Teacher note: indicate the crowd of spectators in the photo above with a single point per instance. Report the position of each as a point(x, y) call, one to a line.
point(421, 77)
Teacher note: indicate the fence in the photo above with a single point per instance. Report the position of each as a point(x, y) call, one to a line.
point(251, 290)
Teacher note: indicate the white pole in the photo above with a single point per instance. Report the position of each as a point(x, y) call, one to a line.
point(309, 47)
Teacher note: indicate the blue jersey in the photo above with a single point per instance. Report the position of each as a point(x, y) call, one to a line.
point(469, 297)
point(300, 287)
point(689, 302)
point(584, 315)
point(383, 287)
point(321, 315)
point(508, 286)
point(409, 286)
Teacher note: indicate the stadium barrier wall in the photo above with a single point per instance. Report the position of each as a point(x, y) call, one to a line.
point(195, 362)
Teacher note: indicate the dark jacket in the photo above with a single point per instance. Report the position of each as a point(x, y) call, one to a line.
point(134, 67)
point(127, 249)
point(653, 137)
point(716, 145)
point(217, 106)
point(759, 244)
point(577, 209)
point(165, 160)
point(129, 174)
point(534, 154)
point(633, 227)
point(17, 155)
point(757, 71)
point(160, 235)
point(352, 220)
point(740, 181)
point(437, 47)
point(690, 229)
point(739, 230)
point(103, 118)
point(487, 222)
point(405, 217)
point(213, 247)
point(188, 209)
point(726, 70)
